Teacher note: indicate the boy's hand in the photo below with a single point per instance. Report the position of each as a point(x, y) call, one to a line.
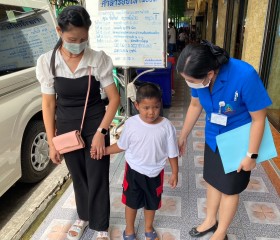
point(93, 153)
point(173, 180)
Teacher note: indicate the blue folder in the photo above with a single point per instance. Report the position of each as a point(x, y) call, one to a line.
point(233, 146)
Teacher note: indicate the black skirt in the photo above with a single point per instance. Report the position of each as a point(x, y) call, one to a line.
point(213, 173)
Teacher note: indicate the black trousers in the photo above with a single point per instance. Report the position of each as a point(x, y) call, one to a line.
point(90, 179)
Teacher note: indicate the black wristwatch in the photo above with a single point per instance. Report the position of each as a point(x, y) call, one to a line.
point(252, 155)
point(102, 130)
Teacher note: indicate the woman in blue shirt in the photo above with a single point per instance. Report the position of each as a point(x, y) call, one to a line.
point(232, 94)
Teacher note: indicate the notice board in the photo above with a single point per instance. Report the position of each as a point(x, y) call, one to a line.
point(131, 32)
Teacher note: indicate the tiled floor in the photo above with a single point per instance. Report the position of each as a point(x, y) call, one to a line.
point(258, 216)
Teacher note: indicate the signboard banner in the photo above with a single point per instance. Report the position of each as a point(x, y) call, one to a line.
point(117, 4)
point(131, 32)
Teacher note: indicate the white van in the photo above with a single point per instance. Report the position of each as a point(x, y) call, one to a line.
point(27, 29)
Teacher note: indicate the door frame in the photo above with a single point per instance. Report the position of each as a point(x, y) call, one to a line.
point(269, 40)
point(271, 29)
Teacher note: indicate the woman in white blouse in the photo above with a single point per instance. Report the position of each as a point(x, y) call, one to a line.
point(63, 74)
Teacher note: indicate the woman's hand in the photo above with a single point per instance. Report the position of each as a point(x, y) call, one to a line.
point(247, 164)
point(97, 150)
point(182, 143)
point(54, 155)
point(193, 113)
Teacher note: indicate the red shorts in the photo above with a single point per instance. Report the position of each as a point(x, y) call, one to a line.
point(140, 190)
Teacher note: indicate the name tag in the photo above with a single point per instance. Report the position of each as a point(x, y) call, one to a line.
point(218, 119)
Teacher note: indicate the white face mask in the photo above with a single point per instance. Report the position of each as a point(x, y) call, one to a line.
point(75, 48)
point(198, 85)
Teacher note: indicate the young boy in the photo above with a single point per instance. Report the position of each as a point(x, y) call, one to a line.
point(148, 140)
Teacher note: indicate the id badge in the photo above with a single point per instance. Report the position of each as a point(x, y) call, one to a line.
point(218, 119)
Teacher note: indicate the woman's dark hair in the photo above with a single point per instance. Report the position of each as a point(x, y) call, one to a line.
point(148, 90)
point(196, 60)
point(76, 16)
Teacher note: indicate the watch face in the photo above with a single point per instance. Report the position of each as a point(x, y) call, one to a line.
point(103, 131)
point(254, 156)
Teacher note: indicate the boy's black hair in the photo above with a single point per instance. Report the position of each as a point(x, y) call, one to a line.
point(148, 90)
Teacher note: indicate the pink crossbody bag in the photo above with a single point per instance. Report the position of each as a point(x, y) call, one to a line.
point(73, 140)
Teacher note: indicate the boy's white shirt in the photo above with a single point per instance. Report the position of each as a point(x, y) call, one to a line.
point(148, 146)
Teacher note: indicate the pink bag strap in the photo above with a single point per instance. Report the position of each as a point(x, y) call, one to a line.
point(85, 108)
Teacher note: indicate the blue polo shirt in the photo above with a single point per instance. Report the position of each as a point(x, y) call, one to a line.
point(240, 87)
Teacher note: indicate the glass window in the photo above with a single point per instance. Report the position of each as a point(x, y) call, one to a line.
point(273, 86)
point(25, 33)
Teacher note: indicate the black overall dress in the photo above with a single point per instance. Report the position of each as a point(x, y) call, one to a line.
point(90, 177)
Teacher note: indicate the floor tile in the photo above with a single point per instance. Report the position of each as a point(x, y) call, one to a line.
point(70, 201)
point(198, 133)
point(171, 206)
point(116, 204)
point(265, 238)
point(168, 234)
point(176, 109)
point(199, 160)
point(261, 234)
point(256, 184)
point(57, 230)
point(172, 116)
point(198, 146)
point(201, 208)
point(200, 182)
point(263, 212)
point(177, 124)
point(200, 124)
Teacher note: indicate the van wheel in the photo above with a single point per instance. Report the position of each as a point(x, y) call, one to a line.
point(35, 161)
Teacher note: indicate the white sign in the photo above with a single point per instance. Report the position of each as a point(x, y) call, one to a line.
point(131, 32)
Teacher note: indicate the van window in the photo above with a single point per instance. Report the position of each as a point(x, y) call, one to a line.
point(25, 34)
